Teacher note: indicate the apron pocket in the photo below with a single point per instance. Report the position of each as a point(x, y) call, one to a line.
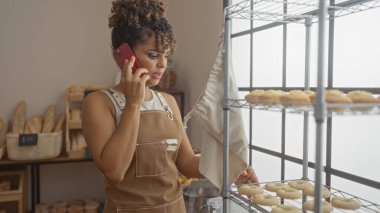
point(151, 159)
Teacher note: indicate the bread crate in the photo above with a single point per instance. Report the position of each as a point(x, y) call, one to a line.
point(13, 191)
point(34, 146)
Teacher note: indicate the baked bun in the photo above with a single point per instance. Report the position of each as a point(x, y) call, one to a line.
point(271, 97)
point(253, 97)
point(265, 200)
point(310, 190)
point(345, 203)
point(311, 94)
point(295, 98)
point(250, 190)
point(300, 184)
point(285, 209)
point(309, 205)
point(337, 96)
point(360, 96)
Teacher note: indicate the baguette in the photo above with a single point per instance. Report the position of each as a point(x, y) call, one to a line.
point(48, 124)
point(19, 118)
point(59, 125)
point(33, 125)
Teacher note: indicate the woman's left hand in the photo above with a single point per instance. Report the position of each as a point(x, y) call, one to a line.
point(247, 176)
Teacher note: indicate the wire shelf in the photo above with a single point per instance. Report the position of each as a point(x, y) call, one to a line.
point(293, 11)
point(245, 202)
point(332, 109)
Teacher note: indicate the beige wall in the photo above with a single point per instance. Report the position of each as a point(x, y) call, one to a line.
point(197, 25)
point(48, 45)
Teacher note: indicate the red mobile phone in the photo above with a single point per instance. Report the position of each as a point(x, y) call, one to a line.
point(125, 52)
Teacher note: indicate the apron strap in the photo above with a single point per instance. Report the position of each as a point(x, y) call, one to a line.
point(165, 105)
point(118, 102)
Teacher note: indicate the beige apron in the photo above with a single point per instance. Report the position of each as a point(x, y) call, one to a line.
point(150, 183)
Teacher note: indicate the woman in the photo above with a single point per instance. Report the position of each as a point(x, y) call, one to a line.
point(134, 133)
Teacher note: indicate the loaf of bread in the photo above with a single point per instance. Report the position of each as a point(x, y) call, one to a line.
point(33, 125)
point(48, 124)
point(59, 125)
point(19, 118)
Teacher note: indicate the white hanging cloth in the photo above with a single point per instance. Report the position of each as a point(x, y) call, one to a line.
point(208, 112)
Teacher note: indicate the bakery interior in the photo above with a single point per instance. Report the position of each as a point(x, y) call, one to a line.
point(49, 49)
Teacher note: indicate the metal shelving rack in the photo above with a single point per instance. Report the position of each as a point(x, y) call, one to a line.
point(278, 12)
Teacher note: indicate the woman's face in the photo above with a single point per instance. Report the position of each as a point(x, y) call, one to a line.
point(151, 59)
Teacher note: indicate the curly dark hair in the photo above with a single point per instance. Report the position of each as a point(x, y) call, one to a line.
point(133, 21)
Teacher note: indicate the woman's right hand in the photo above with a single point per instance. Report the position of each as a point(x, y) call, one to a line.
point(133, 84)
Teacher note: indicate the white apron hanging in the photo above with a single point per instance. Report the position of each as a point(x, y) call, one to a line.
point(208, 112)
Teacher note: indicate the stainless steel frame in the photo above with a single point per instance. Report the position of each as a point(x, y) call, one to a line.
point(278, 12)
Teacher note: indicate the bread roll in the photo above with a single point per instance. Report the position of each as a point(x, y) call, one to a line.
point(296, 98)
point(254, 95)
point(271, 97)
point(360, 96)
point(19, 118)
point(49, 119)
point(311, 95)
point(337, 96)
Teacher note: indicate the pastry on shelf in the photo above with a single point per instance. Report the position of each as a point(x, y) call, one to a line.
point(289, 193)
point(271, 97)
point(311, 95)
point(275, 186)
point(310, 190)
point(265, 200)
point(345, 203)
point(249, 190)
point(335, 96)
point(361, 96)
point(295, 98)
point(253, 96)
point(285, 209)
point(309, 205)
